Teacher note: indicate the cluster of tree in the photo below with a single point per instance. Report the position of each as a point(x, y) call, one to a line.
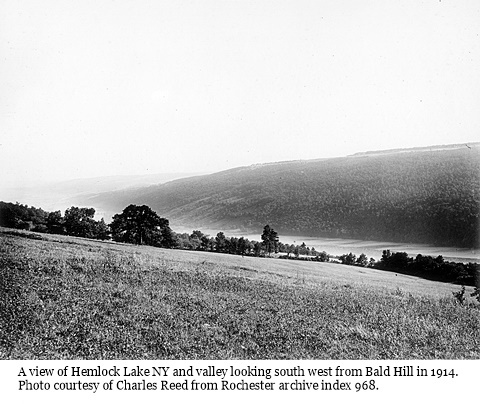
point(423, 197)
point(78, 222)
point(139, 224)
point(220, 243)
point(430, 267)
point(229, 245)
point(351, 259)
point(136, 224)
point(243, 246)
point(422, 265)
point(19, 216)
point(302, 252)
point(270, 243)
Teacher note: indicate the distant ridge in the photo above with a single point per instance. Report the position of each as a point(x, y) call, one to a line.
point(422, 195)
point(59, 195)
point(418, 149)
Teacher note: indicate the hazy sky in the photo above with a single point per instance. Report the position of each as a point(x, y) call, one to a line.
point(93, 88)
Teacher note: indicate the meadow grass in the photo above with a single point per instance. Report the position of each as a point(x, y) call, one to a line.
point(69, 298)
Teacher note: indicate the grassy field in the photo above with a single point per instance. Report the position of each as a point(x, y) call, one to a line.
point(69, 298)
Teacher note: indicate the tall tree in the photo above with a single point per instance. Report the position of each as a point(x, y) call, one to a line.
point(220, 242)
point(141, 225)
point(243, 246)
point(270, 239)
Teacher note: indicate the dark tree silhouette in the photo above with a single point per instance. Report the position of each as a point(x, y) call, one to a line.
point(270, 239)
point(220, 242)
point(141, 225)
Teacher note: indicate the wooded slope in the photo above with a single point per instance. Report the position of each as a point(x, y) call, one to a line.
point(420, 196)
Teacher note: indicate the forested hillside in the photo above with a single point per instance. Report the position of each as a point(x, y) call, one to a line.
point(419, 196)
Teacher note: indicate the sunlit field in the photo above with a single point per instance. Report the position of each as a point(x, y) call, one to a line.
point(68, 298)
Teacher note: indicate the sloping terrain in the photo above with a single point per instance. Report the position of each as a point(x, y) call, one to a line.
point(422, 196)
point(71, 298)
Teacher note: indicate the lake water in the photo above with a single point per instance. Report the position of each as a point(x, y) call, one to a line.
point(373, 249)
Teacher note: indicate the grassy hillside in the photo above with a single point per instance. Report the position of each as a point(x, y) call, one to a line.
point(421, 196)
point(64, 297)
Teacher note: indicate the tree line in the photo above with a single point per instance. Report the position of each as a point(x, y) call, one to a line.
point(76, 221)
point(425, 266)
point(139, 224)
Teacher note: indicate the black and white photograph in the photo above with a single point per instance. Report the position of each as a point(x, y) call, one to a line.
point(244, 181)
